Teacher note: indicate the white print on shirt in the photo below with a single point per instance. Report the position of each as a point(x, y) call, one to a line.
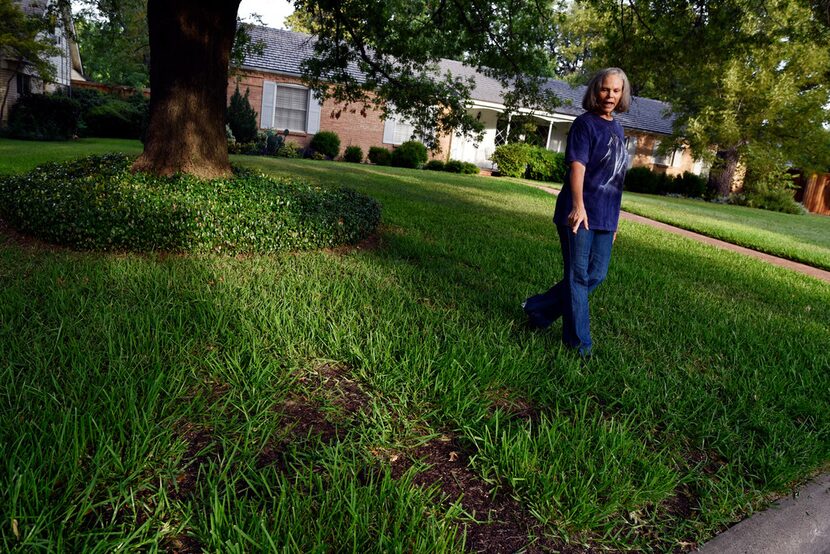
point(616, 149)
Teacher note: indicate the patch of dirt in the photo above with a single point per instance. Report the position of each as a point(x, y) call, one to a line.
point(10, 236)
point(305, 415)
point(682, 504)
point(181, 545)
point(501, 524)
point(516, 408)
point(709, 461)
point(370, 243)
point(201, 449)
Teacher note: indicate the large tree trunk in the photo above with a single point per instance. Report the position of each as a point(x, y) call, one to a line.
point(190, 45)
point(723, 172)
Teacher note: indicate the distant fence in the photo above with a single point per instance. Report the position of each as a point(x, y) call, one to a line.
point(814, 193)
point(110, 89)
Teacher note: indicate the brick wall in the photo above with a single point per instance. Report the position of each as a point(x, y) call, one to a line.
point(644, 156)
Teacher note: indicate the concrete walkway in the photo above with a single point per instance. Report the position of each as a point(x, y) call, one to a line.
point(795, 525)
point(774, 260)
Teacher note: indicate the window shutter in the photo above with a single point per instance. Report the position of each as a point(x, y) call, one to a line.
point(266, 115)
point(314, 108)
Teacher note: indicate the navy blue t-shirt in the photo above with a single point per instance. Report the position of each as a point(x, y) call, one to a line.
point(599, 145)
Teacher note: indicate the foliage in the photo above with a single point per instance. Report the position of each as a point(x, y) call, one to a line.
point(241, 117)
point(468, 168)
point(511, 159)
point(545, 165)
point(398, 46)
point(353, 154)
point(97, 203)
point(454, 166)
point(758, 78)
point(379, 155)
point(111, 115)
point(25, 42)
point(776, 200)
point(44, 117)
point(412, 154)
point(326, 143)
point(113, 42)
point(643, 179)
point(290, 149)
point(434, 165)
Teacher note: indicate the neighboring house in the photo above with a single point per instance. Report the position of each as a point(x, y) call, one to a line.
point(18, 78)
point(282, 101)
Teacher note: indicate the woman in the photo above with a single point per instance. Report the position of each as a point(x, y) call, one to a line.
point(588, 208)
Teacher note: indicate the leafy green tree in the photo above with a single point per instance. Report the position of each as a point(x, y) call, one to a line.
point(396, 44)
point(746, 77)
point(113, 42)
point(242, 117)
point(26, 44)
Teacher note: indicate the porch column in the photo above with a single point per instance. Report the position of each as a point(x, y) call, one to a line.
point(507, 133)
point(550, 130)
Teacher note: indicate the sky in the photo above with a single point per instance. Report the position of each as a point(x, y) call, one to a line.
point(273, 12)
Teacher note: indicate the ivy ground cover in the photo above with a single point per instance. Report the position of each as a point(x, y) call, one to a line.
point(344, 400)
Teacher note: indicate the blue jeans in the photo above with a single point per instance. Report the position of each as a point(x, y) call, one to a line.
point(585, 255)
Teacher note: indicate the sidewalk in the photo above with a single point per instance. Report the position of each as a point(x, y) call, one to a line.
point(795, 525)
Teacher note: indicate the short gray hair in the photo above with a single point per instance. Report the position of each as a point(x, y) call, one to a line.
point(589, 100)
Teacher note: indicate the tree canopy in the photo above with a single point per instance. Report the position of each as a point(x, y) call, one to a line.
point(750, 78)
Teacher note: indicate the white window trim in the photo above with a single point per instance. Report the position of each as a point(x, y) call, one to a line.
point(268, 121)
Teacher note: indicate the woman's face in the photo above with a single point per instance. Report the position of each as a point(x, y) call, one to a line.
point(610, 93)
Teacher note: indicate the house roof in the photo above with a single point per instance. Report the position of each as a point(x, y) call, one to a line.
point(285, 50)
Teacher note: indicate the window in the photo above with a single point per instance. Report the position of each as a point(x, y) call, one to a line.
point(658, 159)
point(631, 148)
point(397, 130)
point(291, 109)
point(289, 106)
point(24, 83)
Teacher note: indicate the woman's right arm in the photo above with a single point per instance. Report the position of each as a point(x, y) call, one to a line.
point(578, 215)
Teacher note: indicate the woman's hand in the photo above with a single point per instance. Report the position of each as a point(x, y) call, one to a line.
point(577, 217)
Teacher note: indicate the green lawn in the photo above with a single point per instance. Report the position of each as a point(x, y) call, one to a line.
point(803, 238)
point(278, 403)
point(19, 156)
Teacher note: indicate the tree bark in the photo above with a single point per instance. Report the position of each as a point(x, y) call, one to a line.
point(723, 172)
point(190, 45)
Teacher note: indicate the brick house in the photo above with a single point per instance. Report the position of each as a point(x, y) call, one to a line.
point(282, 101)
point(18, 78)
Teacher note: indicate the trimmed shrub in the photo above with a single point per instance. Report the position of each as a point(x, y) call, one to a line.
point(545, 165)
point(326, 143)
point(454, 166)
point(434, 165)
point(691, 185)
point(113, 119)
point(97, 203)
point(776, 200)
point(644, 180)
point(411, 154)
point(241, 117)
point(353, 154)
point(290, 149)
point(468, 168)
point(512, 159)
point(44, 117)
point(379, 155)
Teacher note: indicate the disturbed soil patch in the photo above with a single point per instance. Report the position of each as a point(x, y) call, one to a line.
point(516, 408)
point(201, 450)
point(501, 524)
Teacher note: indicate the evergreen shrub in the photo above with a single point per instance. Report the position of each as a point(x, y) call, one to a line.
point(531, 162)
point(379, 155)
point(434, 165)
point(468, 168)
point(326, 143)
point(97, 203)
point(411, 154)
point(44, 117)
point(512, 159)
point(241, 117)
point(353, 154)
point(113, 119)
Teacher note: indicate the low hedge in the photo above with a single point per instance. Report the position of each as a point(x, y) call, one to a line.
point(97, 203)
point(44, 117)
point(411, 154)
point(530, 162)
point(642, 179)
point(379, 155)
